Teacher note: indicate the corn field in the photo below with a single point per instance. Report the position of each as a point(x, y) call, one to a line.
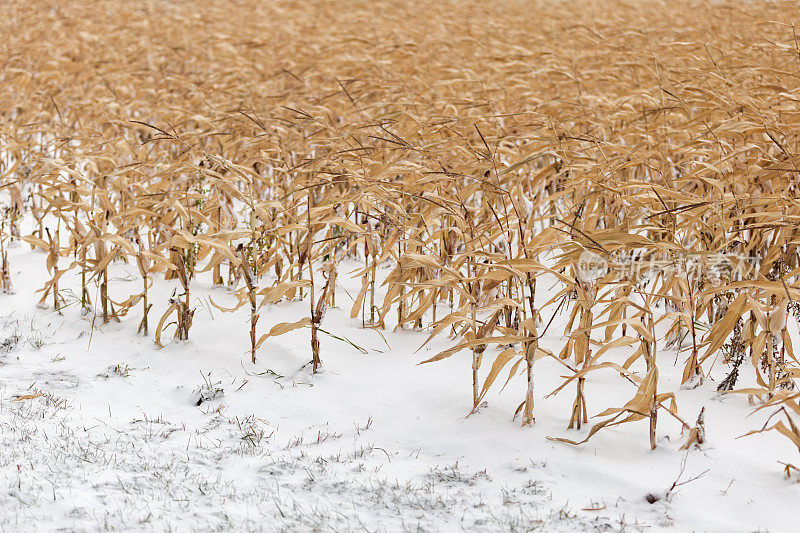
point(644, 155)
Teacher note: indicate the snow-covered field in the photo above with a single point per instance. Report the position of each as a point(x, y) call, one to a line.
point(99, 429)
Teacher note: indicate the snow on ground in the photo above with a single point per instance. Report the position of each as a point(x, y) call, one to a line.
point(193, 437)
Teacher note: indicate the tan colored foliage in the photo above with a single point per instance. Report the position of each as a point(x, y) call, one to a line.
point(471, 146)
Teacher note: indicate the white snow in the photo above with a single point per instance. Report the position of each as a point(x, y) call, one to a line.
point(376, 442)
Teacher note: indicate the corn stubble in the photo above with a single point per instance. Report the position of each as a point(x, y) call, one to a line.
point(470, 149)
